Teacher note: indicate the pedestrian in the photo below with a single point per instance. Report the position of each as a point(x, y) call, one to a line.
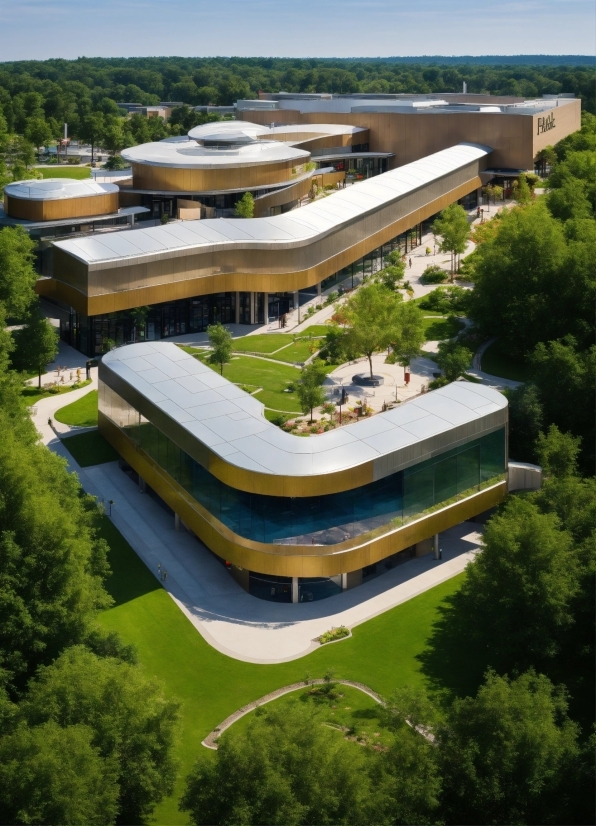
point(410, 263)
point(165, 575)
point(50, 421)
point(159, 570)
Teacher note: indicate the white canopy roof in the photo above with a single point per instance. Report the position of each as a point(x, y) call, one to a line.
point(56, 189)
point(191, 155)
point(231, 424)
point(296, 228)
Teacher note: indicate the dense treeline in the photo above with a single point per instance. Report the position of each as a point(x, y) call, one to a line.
point(535, 288)
point(85, 737)
point(65, 91)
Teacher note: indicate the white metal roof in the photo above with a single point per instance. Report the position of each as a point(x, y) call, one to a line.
point(57, 189)
point(296, 228)
point(316, 129)
point(227, 127)
point(191, 155)
point(231, 424)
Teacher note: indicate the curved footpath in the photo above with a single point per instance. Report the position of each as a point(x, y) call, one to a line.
point(210, 741)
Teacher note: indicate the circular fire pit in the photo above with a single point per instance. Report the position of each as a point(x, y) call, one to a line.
point(365, 380)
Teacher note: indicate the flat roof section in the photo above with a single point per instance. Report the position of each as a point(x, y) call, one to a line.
point(293, 229)
point(57, 189)
point(230, 423)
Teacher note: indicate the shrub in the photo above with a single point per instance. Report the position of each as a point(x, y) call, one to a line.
point(334, 634)
point(434, 275)
point(446, 300)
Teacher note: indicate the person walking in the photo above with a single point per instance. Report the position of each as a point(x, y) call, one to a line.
point(410, 263)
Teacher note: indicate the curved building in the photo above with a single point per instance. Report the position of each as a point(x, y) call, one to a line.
point(55, 199)
point(283, 253)
point(318, 511)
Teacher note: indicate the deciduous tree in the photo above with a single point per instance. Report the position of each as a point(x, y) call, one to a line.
point(220, 340)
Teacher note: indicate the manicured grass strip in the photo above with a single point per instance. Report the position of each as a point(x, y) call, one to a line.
point(272, 377)
point(438, 329)
point(497, 362)
point(383, 653)
point(265, 344)
point(32, 394)
point(298, 352)
point(80, 173)
point(90, 449)
point(315, 330)
point(82, 413)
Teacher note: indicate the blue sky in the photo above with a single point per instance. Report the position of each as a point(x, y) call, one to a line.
point(39, 29)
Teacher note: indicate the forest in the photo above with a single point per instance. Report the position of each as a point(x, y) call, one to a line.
point(67, 91)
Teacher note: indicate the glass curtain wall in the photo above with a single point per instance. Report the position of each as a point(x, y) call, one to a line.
point(319, 520)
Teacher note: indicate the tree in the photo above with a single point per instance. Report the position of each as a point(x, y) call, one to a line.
point(36, 344)
point(17, 275)
point(287, 768)
point(453, 228)
point(245, 207)
point(50, 774)
point(557, 452)
point(132, 724)
point(38, 132)
point(374, 319)
point(525, 421)
point(53, 564)
point(522, 193)
point(570, 200)
point(521, 281)
point(409, 335)
point(518, 592)
point(91, 129)
point(507, 754)
point(309, 388)
point(220, 340)
point(114, 137)
point(115, 162)
point(453, 358)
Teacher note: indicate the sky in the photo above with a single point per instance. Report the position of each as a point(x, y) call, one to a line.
point(40, 29)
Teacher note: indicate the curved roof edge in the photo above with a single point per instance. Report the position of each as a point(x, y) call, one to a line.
point(198, 407)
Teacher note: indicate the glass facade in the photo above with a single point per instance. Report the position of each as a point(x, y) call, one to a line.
point(317, 520)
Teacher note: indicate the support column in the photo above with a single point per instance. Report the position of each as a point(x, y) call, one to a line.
point(142, 485)
point(252, 308)
point(266, 308)
point(436, 546)
point(294, 589)
point(297, 303)
point(237, 310)
point(344, 582)
point(319, 288)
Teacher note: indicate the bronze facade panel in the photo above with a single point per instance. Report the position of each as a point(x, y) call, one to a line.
point(61, 208)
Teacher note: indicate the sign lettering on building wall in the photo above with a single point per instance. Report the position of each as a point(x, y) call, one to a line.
point(546, 124)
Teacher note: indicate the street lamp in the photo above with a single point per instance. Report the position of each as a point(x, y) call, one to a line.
point(110, 503)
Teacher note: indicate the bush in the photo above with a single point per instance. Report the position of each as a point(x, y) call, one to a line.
point(446, 300)
point(434, 275)
point(115, 162)
point(334, 634)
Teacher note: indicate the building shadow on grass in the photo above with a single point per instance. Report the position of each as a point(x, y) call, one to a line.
point(130, 578)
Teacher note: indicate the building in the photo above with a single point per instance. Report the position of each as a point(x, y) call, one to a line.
point(407, 157)
point(301, 519)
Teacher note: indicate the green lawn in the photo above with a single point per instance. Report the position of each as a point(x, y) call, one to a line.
point(438, 329)
point(382, 653)
point(90, 449)
point(299, 351)
point(344, 707)
point(498, 363)
point(32, 394)
point(272, 377)
point(78, 172)
point(266, 344)
point(82, 413)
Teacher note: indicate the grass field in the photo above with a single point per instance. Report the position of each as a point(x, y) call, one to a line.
point(32, 394)
point(438, 329)
point(344, 708)
point(498, 363)
point(90, 449)
point(78, 172)
point(82, 413)
point(272, 377)
point(382, 653)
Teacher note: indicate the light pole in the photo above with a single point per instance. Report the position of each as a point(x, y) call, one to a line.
point(110, 503)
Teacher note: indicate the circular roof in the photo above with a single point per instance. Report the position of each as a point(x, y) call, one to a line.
point(191, 155)
point(230, 130)
point(57, 189)
point(317, 129)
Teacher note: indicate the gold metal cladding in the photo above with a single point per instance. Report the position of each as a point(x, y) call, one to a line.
point(176, 179)
point(294, 560)
point(106, 288)
point(61, 209)
point(294, 192)
point(409, 137)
